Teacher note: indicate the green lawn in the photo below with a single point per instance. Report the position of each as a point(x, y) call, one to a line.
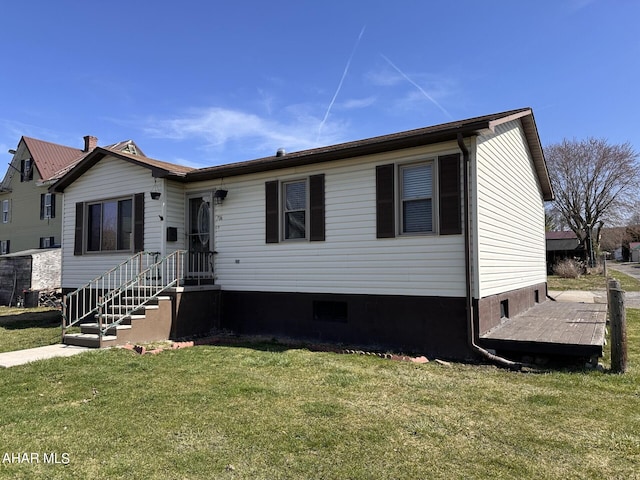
point(593, 282)
point(268, 412)
point(28, 327)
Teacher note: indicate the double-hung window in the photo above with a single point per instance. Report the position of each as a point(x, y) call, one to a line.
point(110, 225)
point(416, 191)
point(423, 197)
point(47, 206)
point(295, 209)
point(26, 170)
point(47, 242)
point(4, 247)
point(5, 211)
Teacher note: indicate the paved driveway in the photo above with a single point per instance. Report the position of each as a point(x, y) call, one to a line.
point(631, 269)
point(632, 299)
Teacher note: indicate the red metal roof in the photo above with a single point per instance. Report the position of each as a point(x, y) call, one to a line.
point(49, 157)
point(53, 161)
point(561, 235)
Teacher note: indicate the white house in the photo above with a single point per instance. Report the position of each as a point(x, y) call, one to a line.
point(419, 240)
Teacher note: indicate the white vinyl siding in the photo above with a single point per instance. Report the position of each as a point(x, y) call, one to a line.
point(174, 215)
point(510, 241)
point(351, 259)
point(109, 178)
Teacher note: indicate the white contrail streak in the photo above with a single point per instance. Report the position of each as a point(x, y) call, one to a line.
point(344, 74)
point(406, 77)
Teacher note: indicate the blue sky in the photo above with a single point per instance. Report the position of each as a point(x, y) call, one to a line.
point(210, 82)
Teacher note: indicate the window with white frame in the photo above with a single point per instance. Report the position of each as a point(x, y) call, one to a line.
point(416, 195)
point(5, 211)
point(48, 210)
point(109, 225)
point(4, 247)
point(295, 209)
point(47, 242)
point(26, 173)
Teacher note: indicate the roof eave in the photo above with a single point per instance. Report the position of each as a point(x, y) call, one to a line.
point(539, 162)
point(98, 154)
point(337, 152)
point(72, 175)
point(533, 139)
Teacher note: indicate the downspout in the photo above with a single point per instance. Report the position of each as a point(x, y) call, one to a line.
point(500, 361)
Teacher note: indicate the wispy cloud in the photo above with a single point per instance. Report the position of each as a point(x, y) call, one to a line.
point(355, 103)
point(344, 74)
point(384, 78)
point(219, 128)
point(422, 91)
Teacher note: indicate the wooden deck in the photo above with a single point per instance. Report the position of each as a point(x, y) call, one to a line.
point(552, 328)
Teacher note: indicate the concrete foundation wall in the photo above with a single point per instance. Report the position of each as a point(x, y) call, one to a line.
point(489, 309)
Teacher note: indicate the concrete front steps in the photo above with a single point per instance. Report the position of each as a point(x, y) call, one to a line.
point(150, 323)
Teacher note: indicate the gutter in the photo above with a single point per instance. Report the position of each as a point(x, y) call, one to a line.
point(500, 361)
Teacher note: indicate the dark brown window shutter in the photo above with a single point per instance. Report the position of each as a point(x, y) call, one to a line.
point(385, 210)
point(316, 208)
point(272, 219)
point(77, 245)
point(53, 205)
point(138, 226)
point(42, 195)
point(449, 194)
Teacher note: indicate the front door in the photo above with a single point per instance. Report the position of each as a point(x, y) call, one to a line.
point(200, 236)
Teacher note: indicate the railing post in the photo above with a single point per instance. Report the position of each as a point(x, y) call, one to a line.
point(618, 324)
point(65, 312)
point(99, 314)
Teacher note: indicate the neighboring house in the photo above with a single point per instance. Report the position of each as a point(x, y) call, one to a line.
point(562, 245)
point(419, 240)
point(634, 251)
point(31, 216)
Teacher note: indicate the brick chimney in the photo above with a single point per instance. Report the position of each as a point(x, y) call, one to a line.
point(90, 143)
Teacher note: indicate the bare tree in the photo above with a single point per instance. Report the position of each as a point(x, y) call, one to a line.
point(594, 183)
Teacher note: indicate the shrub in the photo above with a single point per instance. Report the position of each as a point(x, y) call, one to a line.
point(568, 268)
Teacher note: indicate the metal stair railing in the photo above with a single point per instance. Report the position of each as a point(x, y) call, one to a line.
point(122, 302)
point(84, 301)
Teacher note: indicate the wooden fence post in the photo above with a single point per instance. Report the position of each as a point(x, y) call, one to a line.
point(618, 324)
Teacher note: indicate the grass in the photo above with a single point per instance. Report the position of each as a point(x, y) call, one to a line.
point(593, 282)
point(265, 411)
point(28, 327)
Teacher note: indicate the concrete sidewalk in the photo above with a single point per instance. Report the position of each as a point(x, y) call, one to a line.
point(578, 296)
point(20, 357)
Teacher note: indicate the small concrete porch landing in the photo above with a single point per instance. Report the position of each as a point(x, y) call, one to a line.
point(552, 328)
